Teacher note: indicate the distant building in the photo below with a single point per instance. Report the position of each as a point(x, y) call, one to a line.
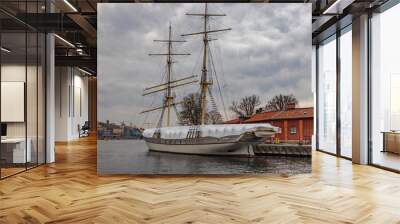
point(296, 123)
point(117, 131)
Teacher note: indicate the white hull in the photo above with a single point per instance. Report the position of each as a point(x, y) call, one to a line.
point(231, 148)
point(226, 139)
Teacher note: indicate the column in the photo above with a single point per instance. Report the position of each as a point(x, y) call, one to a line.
point(93, 103)
point(50, 92)
point(360, 90)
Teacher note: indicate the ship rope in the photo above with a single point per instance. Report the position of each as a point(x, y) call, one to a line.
point(213, 104)
point(157, 132)
point(178, 116)
point(153, 100)
point(222, 76)
point(159, 124)
point(197, 62)
point(218, 85)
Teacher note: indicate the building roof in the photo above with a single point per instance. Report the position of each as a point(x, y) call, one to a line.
point(296, 113)
point(233, 121)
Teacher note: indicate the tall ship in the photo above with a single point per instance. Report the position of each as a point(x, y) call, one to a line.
point(198, 136)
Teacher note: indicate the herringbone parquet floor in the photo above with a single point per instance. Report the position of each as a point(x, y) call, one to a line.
point(70, 191)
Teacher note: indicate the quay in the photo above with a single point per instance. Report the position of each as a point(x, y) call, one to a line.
point(282, 149)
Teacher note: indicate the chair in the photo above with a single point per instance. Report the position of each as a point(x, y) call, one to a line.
point(84, 130)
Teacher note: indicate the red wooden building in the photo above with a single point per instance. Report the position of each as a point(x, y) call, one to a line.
point(296, 123)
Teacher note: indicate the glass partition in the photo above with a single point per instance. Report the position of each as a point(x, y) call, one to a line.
point(327, 95)
point(22, 88)
point(13, 94)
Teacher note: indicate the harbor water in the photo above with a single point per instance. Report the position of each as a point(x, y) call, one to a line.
point(133, 157)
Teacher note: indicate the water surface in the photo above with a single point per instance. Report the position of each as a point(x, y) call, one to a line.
point(133, 157)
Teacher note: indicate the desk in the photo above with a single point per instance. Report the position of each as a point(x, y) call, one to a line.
point(13, 150)
point(391, 142)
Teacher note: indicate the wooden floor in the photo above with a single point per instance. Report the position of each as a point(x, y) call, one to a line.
point(387, 159)
point(70, 191)
point(5, 172)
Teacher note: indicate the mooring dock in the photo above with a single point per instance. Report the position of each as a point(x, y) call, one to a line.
point(282, 149)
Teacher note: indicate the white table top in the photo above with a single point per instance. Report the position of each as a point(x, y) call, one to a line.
point(13, 140)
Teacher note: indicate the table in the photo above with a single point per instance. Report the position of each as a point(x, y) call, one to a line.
point(13, 150)
point(391, 141)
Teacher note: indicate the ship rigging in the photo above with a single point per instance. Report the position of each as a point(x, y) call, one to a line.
point(200, 138)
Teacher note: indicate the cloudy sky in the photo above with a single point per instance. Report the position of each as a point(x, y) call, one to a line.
point(267, 52)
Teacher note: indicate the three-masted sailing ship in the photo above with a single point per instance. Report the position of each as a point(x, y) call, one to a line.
point(201, 138)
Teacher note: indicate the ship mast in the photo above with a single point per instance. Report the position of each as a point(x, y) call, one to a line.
point(204, 83)
point(170, 83)
point(169, 98)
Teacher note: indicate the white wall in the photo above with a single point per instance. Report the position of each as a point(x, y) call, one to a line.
point(71, 102)
point(80, 109)
point(62, 81)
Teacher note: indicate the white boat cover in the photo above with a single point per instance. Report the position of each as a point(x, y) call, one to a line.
point(217, 131)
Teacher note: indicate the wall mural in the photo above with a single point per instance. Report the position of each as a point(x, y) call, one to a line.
point(204, 88)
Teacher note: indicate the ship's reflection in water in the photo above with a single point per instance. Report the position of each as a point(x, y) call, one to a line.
point(133, 157)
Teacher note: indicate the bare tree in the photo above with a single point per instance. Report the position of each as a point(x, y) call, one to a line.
point(246, 106)
point(280, 102)
point(214, 117)
point(190, 113)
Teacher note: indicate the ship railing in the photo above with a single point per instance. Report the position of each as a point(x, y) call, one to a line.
point(194, 132)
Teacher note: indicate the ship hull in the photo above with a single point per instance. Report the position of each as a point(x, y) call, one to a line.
point(220, 148)
point(233, 139)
